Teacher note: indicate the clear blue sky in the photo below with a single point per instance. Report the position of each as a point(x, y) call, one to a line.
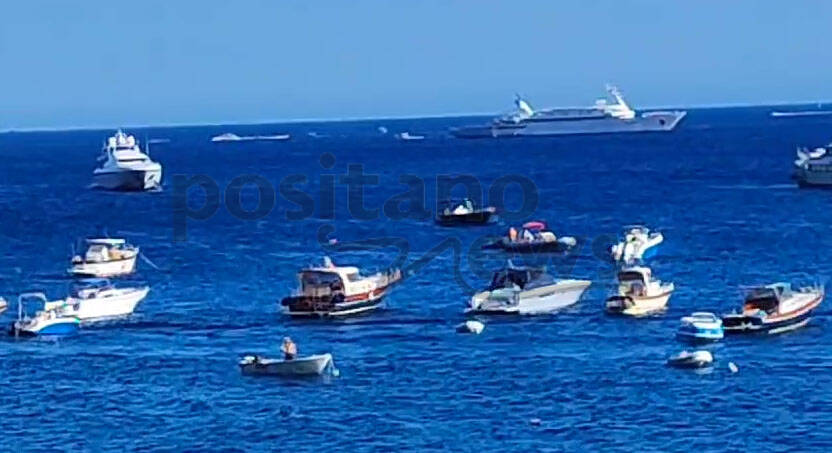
point(110, 62)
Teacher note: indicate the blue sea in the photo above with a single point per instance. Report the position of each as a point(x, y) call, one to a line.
point(167, 379)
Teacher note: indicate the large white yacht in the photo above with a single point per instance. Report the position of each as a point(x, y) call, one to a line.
point(603, 118)
point(126, 167)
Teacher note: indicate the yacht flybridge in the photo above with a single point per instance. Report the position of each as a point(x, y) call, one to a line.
point(125, 167)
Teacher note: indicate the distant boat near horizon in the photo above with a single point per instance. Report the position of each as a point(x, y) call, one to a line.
point(604, 117)
point(799, 113)
point(408, 137)
point(231, 137)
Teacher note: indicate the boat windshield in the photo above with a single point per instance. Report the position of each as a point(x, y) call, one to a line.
point(524, 279)
point(317, 279)
point(766, 299)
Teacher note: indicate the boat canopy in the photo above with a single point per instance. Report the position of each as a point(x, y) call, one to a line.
point(768, 297)
point(522, 277)
point(535, 225)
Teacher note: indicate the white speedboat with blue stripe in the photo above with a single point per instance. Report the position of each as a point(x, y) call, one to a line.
point(700, 326)
point(44, 322)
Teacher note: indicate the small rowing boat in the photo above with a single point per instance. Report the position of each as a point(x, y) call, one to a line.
point(313, 365)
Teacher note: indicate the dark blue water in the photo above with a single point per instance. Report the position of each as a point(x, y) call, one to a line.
point(718, 188)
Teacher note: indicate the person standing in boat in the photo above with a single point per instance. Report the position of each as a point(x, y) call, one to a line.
point(289, 348)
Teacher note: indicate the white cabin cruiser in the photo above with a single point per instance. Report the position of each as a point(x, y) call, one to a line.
point(695, 359)
point(331, 290)
point(639, 293)
point(638, 243)
point(97, 299)
point(126, 167)
point(774, 309)
point(526, 290)
point(105, 257)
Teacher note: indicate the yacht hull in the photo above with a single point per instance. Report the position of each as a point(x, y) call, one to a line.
point(109, 307)
point(112, 268)
point(538, 301)
point(638, 306)
point(651, 122)
point(128, 180)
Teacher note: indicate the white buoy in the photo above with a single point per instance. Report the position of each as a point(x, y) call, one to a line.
point(733, 367)
point(472, 326)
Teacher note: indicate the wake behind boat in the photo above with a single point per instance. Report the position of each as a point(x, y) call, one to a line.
point(231, 137)
point(125, 167)
point(773, 309)
point(604, 117)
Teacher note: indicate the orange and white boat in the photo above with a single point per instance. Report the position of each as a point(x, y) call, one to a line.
point(331, 290)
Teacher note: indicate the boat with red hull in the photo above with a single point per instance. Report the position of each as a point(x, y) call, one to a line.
point(331, 290)
point(774, 309)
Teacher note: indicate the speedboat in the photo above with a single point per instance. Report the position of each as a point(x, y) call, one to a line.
point(105, 257)
point(45, 322)
point(331, 290)
point(126, 167)
point(97, 300)
point(700, 326)
point(639, 293)
point(526, 290)
point(231, 137)
point(313, 365)
point(695, 359)
point(533, 237)
point(3, 305)
point(774, 309)
point(638, 243)
point(408, 137)
point(463, 212)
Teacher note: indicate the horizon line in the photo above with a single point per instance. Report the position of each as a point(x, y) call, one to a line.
point(369, 118)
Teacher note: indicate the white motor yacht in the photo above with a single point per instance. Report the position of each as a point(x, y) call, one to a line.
point(105, 257)
point(639, 293)
point(638, 244)
point(126, 167)
point(526, 290)
point(97, 299)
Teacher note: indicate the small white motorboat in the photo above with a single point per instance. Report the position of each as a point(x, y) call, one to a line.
point(638, 244)
point(231, 137)
point(46, 322)
point(639, 293)
point(97, 299)
point(3, 305)
point(700, 326)
point(526, 290)
point(470, 326)
point(105, 257)
point(695, 359)
point(408, 137)
point(313, 365)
